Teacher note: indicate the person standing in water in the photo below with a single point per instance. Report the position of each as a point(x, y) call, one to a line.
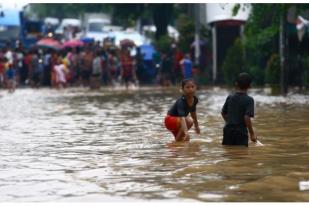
point(11, 75)
point(177, 120)
point(187, 67)
point(237, 112)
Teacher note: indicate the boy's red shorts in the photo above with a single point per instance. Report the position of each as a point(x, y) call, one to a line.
point(172, 124)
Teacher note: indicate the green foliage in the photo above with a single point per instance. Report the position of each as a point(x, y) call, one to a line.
point(262, 25)
point(261, 37)
point(235, 9)
point(258, 75)
point(164, 43)
point(204, 32)
point(272, 75)
point(162, 14)
point(185, 26)
point(126, 14)
point(64, 10)
point(234, 62)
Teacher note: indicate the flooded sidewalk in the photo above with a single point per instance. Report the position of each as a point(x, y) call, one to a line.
point(80, 145)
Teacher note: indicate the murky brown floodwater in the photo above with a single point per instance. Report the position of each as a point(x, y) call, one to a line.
point(78, 145)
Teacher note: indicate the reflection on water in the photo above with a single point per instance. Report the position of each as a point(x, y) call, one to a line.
point(74, 144)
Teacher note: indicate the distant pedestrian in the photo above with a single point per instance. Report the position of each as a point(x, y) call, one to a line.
point(187, 67)
point(105, 73)
point(139, 63)
point(60, 73)
point(96, 71)
point(177, 57)
point(37, 70)
point(113, 66)
point(10, 76)
point(127, 69)
point(86, 66)
point(166, 70)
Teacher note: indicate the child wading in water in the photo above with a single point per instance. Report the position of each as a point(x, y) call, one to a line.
point(237, 112)
point(177, 120)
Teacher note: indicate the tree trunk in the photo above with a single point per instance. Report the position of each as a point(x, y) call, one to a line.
point(162, 14)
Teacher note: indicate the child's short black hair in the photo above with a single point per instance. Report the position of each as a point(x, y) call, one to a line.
point(185, 81)
point(243, 80)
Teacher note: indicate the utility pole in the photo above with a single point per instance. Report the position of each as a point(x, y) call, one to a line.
point(282, 51)
point(214, 53)
point(197, 34)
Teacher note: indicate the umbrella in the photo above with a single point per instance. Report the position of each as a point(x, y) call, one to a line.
point(49, 43)
point(201, 43)
point(127, 43)
point(73, 43)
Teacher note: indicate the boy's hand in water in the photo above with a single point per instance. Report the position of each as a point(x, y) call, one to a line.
point(253, 137)
point(197, 129)
point(186, 137)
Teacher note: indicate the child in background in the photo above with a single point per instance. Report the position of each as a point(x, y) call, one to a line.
point(10, 75)
point(177, 120)
point(60, 72)
point(237, 112)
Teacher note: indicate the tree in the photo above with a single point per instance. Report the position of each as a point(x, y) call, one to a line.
point(127, 14)
point(68, 10)
point(185, 26)
point(266, 25)
point(123, 14)
point(234, 62)
point(162, 14)
point(273, 70)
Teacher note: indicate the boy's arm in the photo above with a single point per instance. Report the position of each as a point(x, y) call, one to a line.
point(184, 126)
point(196, 126)
point(224, 109)
point(223, 115)
point(250, 128)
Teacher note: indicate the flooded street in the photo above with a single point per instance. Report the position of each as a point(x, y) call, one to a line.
point(111, 145)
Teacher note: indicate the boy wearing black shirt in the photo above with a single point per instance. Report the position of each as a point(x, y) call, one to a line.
point(237, 112)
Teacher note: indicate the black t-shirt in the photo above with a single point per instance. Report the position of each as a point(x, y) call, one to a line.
point(236, 106)
point(181, 107)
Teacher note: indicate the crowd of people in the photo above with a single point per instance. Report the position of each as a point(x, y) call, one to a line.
point(91, 65)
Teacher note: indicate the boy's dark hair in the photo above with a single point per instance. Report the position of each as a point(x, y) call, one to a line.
point(185, 81)
point(243, 80)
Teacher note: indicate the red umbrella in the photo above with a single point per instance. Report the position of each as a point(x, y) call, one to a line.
point(73, 43)
point(49, 43)
point(127, 43)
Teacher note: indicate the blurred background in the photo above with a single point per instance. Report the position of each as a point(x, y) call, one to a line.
point(270, 41)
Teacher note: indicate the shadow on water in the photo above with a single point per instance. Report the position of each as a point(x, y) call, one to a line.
point(76, 144)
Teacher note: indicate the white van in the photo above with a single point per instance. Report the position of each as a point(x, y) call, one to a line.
point(95, 29)
point(68, 22)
